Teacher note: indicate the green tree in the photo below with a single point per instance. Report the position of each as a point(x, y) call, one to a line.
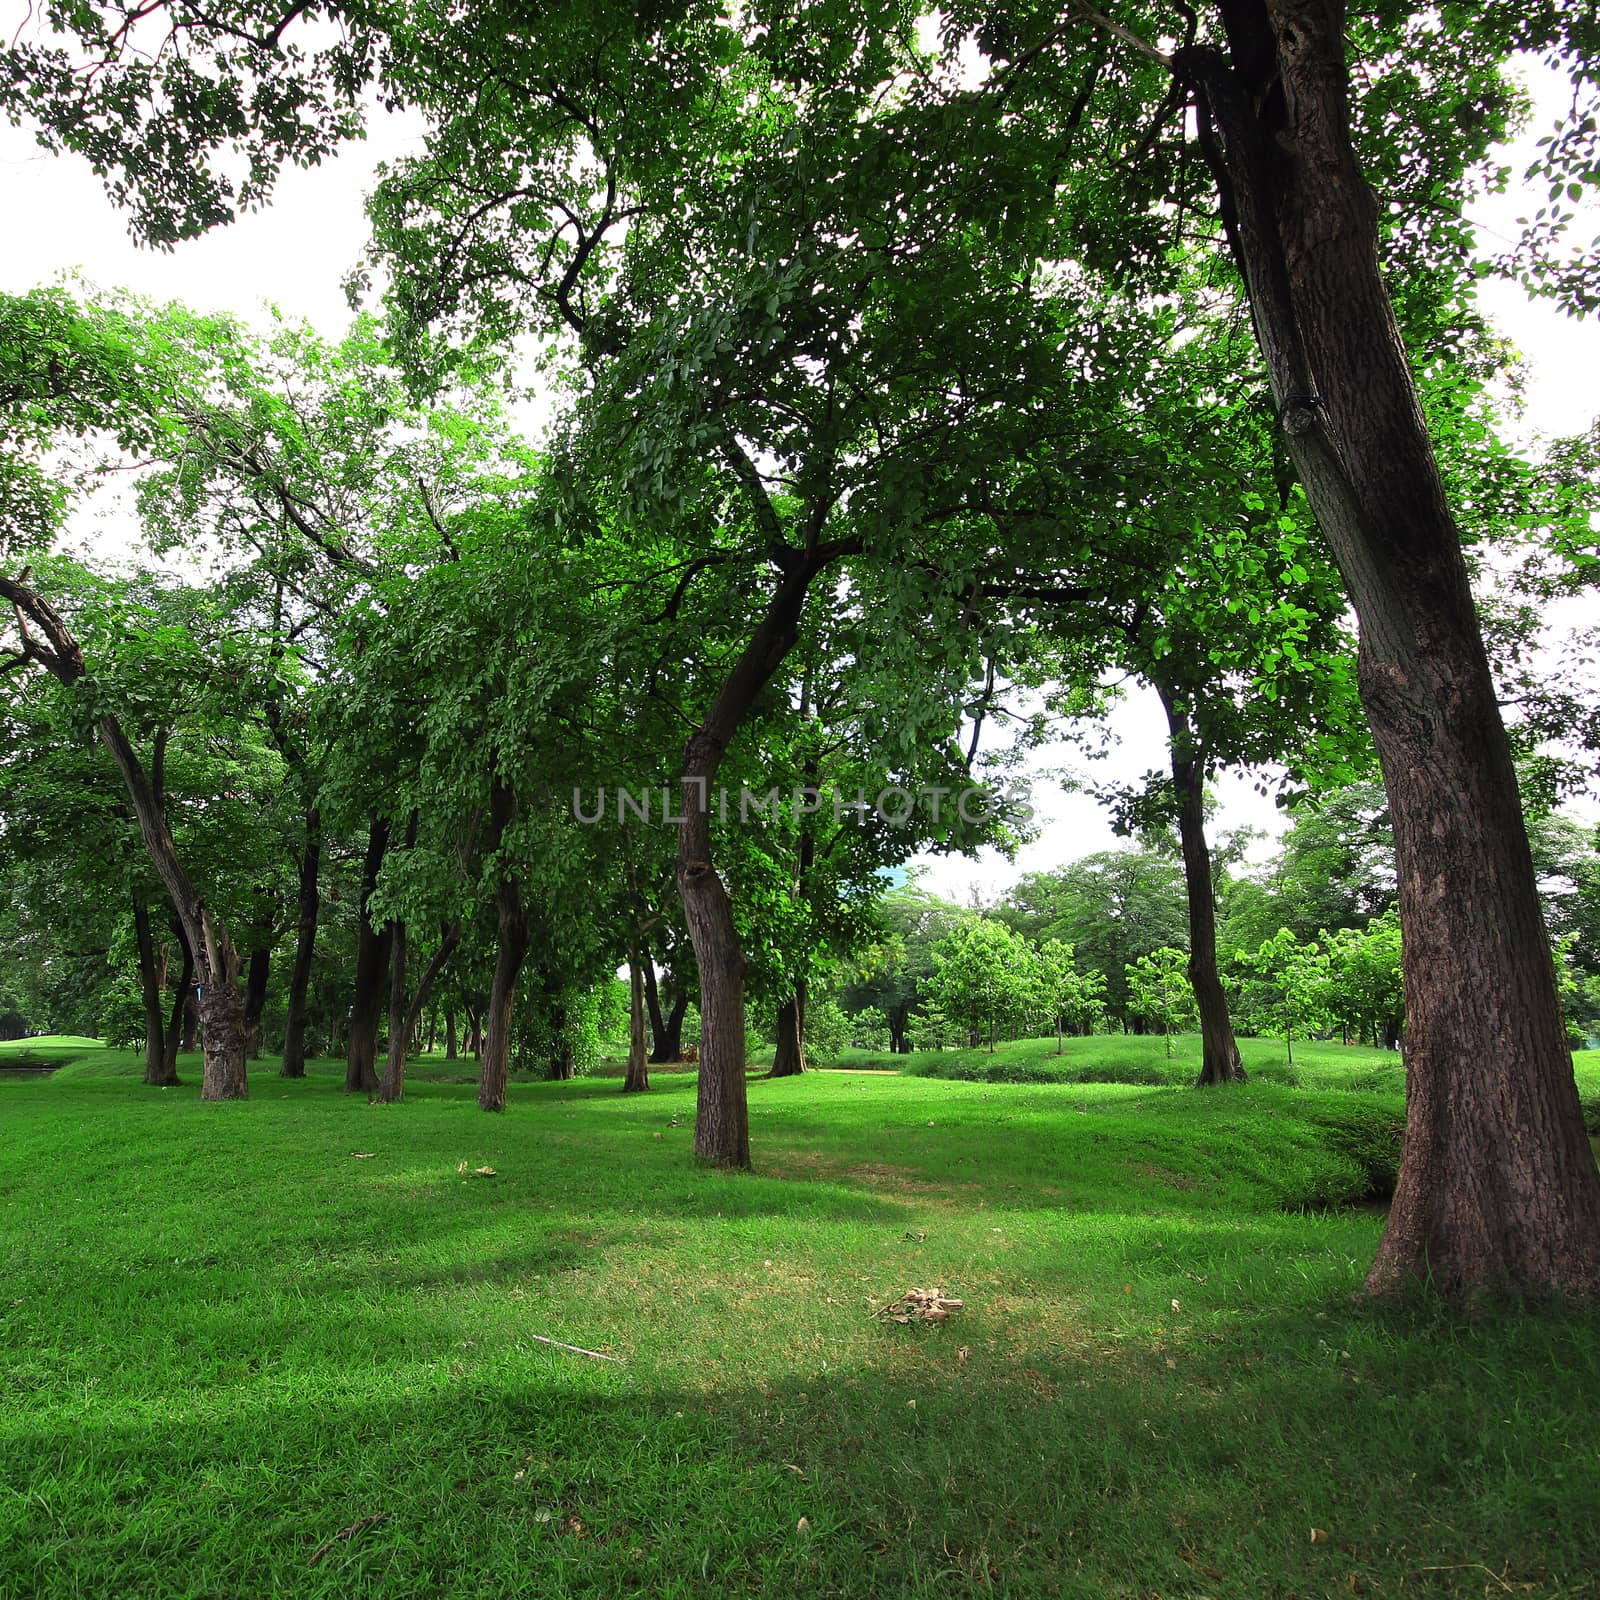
point(1160, 987)
point(1287, 987)
point(982, 977)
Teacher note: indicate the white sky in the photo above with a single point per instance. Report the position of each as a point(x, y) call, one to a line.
point(59, 221)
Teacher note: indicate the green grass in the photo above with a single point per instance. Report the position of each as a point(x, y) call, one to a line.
point(223, 1340)
point(48, 1050)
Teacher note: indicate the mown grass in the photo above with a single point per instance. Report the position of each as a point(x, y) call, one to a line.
point(224, 1339)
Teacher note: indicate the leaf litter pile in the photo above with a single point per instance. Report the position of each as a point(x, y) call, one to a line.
point(920, 1305)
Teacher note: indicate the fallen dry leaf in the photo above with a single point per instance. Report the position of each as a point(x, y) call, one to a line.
point(1319, 1536)
point(363, 1155)
point(803, 1527)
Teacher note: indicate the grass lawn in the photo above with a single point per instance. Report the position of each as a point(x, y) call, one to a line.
point(226, 1340)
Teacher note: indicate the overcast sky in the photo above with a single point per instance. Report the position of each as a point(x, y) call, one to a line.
point(295, 255)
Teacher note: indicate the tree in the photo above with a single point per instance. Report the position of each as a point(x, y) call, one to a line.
point(1161, 988)
point(1068, 998)
point(1288, 986)
point(1365, 988)
point(982, 976)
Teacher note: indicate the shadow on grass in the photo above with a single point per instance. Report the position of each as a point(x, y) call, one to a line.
point(933, 1469)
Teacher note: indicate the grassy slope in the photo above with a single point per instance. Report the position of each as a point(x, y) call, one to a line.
point(223, 1340)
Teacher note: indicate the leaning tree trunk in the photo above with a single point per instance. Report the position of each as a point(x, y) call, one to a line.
point(1498, 1188)
point(372, 972)
point(789, 1060)
point(216, 960)
point(1219, 1050)
point(511, 924)
point(638, 1074)
point(722, 1117)
point(152, 976)
point(309, 907)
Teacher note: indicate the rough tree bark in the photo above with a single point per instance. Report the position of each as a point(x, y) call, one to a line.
point(309, 906)
point(152, 979)
point(216, 959)
point(638, 1075)
point(511, 925)
point(372, 971)
point(449, 1033)
point(1498, 1189)
point(1219, 1050)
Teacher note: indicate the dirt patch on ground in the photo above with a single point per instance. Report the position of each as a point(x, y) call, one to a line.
point(879, 1176)
point(1173, 1180)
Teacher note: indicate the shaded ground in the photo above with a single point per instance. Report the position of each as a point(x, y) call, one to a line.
point(224, 1339)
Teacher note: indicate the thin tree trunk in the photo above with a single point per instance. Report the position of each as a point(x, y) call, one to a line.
point(449, 1033)
point(393, 1084)
point(652, 1002)
point(1219, 1050)
point(511, 924)
point(178, 1017)
point(1498, 1189)
point(372, 970)
point(638, 1075)
point(309, 907)
point(561, 1066)
point(151, 975)
point(255, 998)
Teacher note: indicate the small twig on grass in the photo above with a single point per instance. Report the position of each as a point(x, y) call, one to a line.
point(576, 1349)
point(344, 1533)
point(1469, 1566)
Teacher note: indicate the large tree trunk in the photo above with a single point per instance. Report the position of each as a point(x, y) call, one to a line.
point(511, 923)
point(638, 1074)
point(372, 972)
point(255, 998)
point(1219, 1057)
point(449, 1033)
point(1498, 1189)
point(789, 1060)
point(152, 978)
point(309, 907)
